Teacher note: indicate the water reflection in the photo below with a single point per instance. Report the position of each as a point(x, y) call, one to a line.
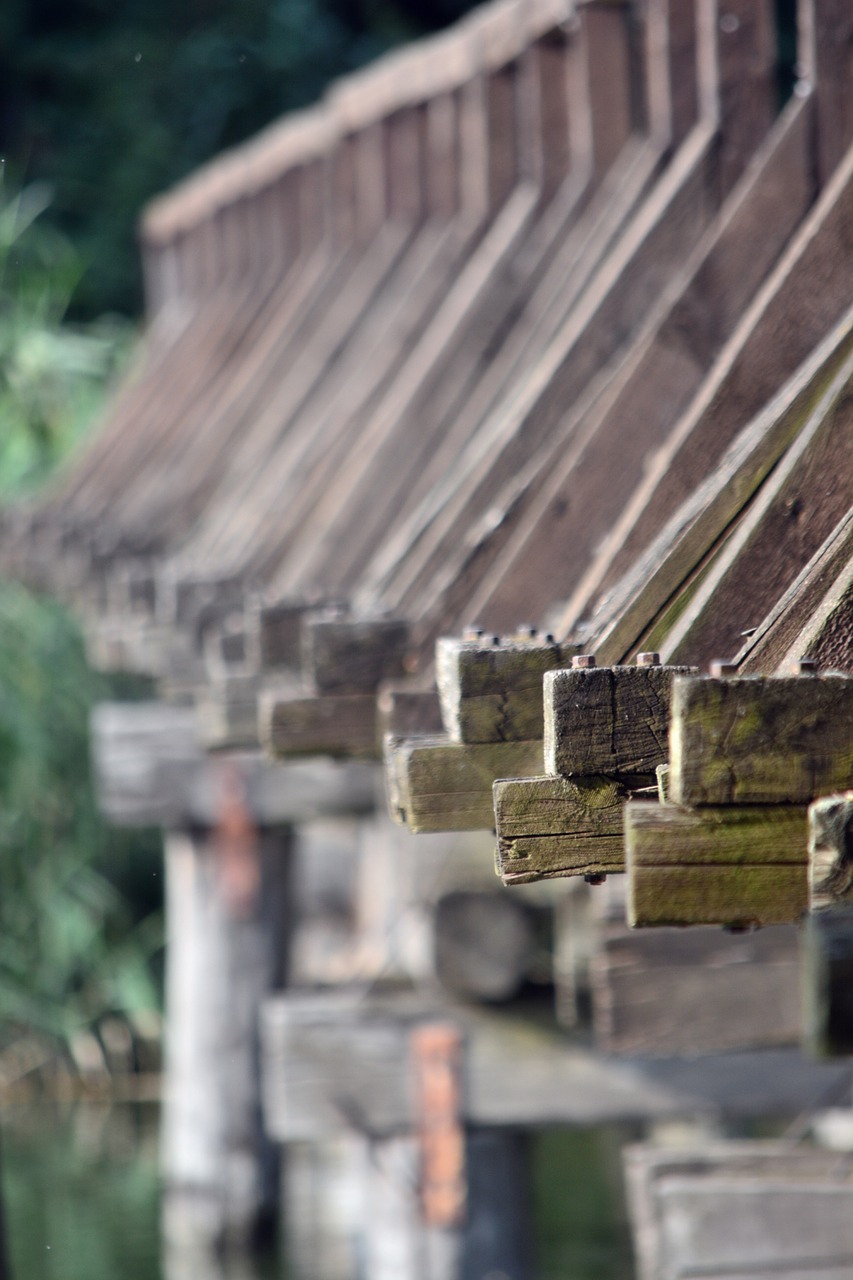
point(81, 1186)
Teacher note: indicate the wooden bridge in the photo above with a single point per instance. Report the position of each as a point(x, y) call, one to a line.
point(495, 423)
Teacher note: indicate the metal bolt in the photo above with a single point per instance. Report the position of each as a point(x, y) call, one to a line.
point(583, 661)
point(650, 659)
point(496, 641)
point(718, 668)
point(803, 667)
point(472, 633)
point(595, 878)
point(549, 639)
point(525, 630)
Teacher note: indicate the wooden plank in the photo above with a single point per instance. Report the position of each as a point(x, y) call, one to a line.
point(405, 710)
point(828, 981)
point(742, 865)
point(447, 786)
point(659, 992)
point(337, 726)
point(151, 770)
point(777, 535)
point(754, 740)
point(336, 1060)
point(826, 56)
point(751, 1210)
point(352, 655)
point(549, 827)
point(637, 605)
point(608, 720)
point(831, 850)
point(491, 689)
point(810, 281)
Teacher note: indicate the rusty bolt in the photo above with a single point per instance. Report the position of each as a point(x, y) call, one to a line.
point(549, 638)
point(595, 878)
point(526, 631)
point(496, 641)
point(650, 659)
point(472, 633)
point(718, 668)
point(583, 661)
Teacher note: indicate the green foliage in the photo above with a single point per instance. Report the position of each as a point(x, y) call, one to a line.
point(71, 947)
point(51, 373)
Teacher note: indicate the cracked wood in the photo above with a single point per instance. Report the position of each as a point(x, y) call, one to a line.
point(610, 720)
point(551, 826)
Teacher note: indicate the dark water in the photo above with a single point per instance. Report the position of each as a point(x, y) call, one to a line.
point(81, 1200)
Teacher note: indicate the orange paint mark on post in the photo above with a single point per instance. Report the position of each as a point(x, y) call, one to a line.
point(436, 1054)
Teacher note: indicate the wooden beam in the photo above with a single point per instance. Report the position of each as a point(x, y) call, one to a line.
point(151, 770)
point(831, 850)
point(447, 786)
point(608, 720)
point(753, 740)
point(490, 688)
point(740, 1210)
point(340, 726)
point(742, 865)
point(552, 826)
point(828, 982)
point(334, 1061)
point(658, 992)
point(342, 656)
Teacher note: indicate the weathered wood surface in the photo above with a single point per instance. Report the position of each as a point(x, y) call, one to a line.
point(490, 688)
point(228, 937)
point(831, 850)
point(806, 293)
point(748, 1210)
point(608, 720)
point(404, 710)
point(785, 524)
point(813, 617)
point(447, 786)
point(337, 1060)
point(741, 865)
point(342, 725)
point(662, 992)
point(828, 981)
point(352, 655)
point(649, 592)
point(553, 826)
point(754, 740)
point(584, 490)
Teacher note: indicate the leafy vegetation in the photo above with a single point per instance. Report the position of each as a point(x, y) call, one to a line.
point(77, 938)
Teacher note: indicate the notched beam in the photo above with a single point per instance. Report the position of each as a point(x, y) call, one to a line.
point(549, 827)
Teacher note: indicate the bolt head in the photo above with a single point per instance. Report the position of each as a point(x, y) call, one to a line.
point(472, 633)
point(650, 659)
point(583, 661)
point(596, 878)
point(718, 668)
